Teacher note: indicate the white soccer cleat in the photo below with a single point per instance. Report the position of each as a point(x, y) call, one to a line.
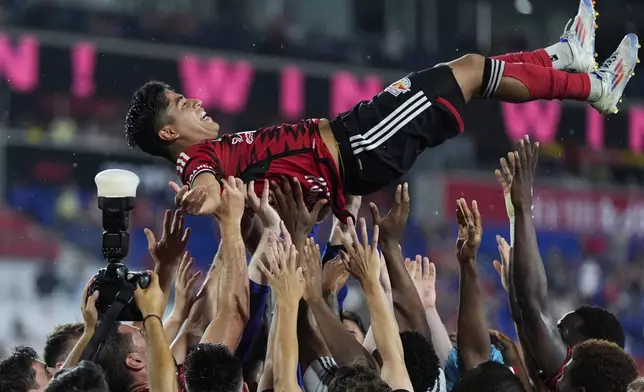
point(615, 73)
point(580, 36)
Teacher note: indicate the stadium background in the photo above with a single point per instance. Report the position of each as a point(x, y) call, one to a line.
point(68, 67)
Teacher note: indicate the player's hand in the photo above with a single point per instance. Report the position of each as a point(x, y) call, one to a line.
point(362, 259)
point(190, 201)
point(88, 308)
point(167, 250)
point(184, 295)
point(284, 274)
point(151, 300)
point(423, 274)
point(334, 275)
point(231, 205)
point(393, 224)
point(340, 229)
point(503, 267)
point(261, 206)
point(293, 209)
point(506, 346)
point(470, 231)
point(311, 263)
point(524, 164)
point(505, 175)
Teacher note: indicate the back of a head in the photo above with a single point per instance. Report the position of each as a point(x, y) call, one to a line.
point(61, 341)
point(599, 323)
point(489, 377)
point(145, 117)
point(111, 358)
point(601, 366)
point(213, 368)
point(637, 385)
point(421, 360)
point(357, 378)
point(84, 377)
point(16, 371)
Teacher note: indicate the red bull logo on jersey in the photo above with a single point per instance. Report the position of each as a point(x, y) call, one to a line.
point(400, 87)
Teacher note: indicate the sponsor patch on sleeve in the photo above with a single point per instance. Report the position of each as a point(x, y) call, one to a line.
point(400, 87)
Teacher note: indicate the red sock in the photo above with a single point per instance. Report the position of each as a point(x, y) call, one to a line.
point(549, 83)
point(538, 57)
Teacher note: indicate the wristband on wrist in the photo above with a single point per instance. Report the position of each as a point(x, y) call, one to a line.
point(152, 316)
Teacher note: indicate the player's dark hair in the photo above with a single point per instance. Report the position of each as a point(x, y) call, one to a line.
point(16, 371)
point(637, 385)
point(146, 115)
point(601, 366)
point(354, 318)
point(84, 377)
point(421, 360)
point(212, 368)
point(61, 341)
point(599, 323)
point(111, 358)
point(489, 377)
point(357, 378)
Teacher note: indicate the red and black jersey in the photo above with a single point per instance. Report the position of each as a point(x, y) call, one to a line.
point(293, 150)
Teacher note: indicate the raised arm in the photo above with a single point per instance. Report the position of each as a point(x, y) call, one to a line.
point(473, 338)
point(363, 261)
point(90, 319)
point(229, 295)
point(540, 336)
point(408, 308)
point(184, 297)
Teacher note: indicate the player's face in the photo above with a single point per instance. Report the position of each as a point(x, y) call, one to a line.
point(564, 383)
point(43, 375)
point(569, 326)
point(189, 119)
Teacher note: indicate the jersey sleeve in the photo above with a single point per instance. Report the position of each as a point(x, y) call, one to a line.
point(196, 160)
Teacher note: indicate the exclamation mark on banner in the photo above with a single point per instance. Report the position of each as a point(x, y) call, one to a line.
point(83, 65)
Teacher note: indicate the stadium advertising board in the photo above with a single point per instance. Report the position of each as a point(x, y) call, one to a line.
point(233, 86)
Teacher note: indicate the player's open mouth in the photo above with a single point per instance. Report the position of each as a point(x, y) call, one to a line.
point(204, 117)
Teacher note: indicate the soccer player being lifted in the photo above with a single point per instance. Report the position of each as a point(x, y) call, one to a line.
point(376, 142)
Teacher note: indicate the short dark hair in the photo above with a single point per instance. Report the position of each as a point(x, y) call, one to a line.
point(489, 377)
point(16, 371)
point(61, 341)
point(212, 367)
point(353, 317)
point(357, 378)
point(146, 115)
point(111, 358)
point(421, 360)
point(84, 377)
point(599, 323)
point(601, 366)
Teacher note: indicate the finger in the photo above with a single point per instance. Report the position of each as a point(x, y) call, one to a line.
point(286, 236)
point(315, 211)
point(499, 176)
point(178, 197)
point(265, 192)
point(239, 184)
point(167, 223)
point(293, 258)
point(398, 194)
point(87, 286)
point(297, 193)
point(507, 170)
point(91, 301)
point(460, 213)
point(466, 211)
point(528, 149)
point(252, 196)
point(535, 155)
point(375, 237)
point(375, 213)
point(498, 267)
point(477, 215)
point(363, 232)
point(192, 280)
point(432, 273)
point(186, 235)
point(268, 274)
point(522, 153)
point(352, 232)
point(408, 264)
point(425, 272)
point(405, 193)
point(149, 235)
point(174, 186)
point(175, 222)
point(502, 242)
point(344, 257)
point(185, 258)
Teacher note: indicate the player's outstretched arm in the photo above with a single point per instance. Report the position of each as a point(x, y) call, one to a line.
point(202, 198)
point(528, 283)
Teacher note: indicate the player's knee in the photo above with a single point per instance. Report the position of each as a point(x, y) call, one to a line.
point(468, 72)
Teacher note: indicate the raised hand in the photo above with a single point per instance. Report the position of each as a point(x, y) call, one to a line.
point(151, 300)
point(311, 263)
point(184, 295)
point(231, 206)
point(293, 209)
point(362, 259)
point(88, 308)
point(334, 276)
point(423, 273)
point(261, 206)
point(190, 201)
point(393, 224)
point(470, 231)
point(503, 267)
point(166, 251)
point(505, 175)
point(524, 164)
point(285, 276)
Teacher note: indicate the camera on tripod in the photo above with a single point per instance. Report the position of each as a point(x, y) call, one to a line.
point(116, 193)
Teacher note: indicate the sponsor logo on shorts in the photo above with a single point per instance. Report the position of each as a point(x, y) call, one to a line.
point(400, 87)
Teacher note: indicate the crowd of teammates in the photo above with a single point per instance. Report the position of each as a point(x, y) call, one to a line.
point(277, 323)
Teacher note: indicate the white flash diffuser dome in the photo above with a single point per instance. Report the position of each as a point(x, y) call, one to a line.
point(116, 183)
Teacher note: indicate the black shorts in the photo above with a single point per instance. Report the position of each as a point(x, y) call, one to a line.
point(379, 140)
